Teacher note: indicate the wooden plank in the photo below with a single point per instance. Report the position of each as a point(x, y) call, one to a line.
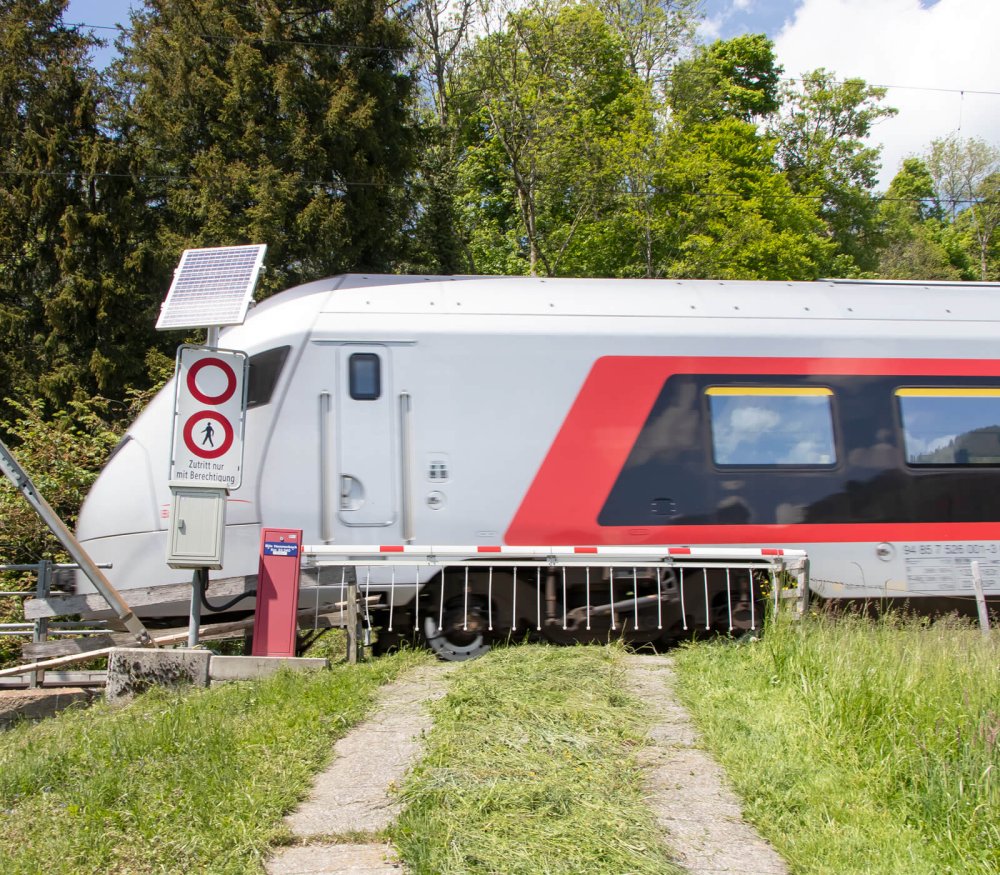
point(54, 663)
point(57, 679)
point(58, 605)
point(66, 646)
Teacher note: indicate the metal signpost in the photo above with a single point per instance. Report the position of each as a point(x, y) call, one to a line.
point(211, 288)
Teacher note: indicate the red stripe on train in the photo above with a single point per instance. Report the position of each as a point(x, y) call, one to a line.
point(564, 500)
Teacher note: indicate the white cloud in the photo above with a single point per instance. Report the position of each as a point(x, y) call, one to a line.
point(948, 45)
point(710, 28)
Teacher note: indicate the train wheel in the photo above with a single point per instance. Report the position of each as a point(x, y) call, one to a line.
point(735, 607)
point(458, 637)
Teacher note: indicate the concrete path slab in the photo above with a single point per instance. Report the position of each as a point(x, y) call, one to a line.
point(688, 790)
point(353, 795)
point(327, 859)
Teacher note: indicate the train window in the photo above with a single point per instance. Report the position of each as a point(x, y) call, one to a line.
point(265, 368)
point(365, 376)
point(772, 425)
point(951, 426)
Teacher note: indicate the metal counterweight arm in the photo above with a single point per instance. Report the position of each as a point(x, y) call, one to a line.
point(22, 482)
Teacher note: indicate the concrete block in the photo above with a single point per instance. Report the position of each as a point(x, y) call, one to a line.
point(246, 668)
point(39, 703)
point(133, 670)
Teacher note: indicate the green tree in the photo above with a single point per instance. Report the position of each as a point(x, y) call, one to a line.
point(913, 228)
point(653, 32)
point(439, 31)
point(283, 122)
point(72, 298)
point(822, 133)
point(966, 176)
point(730, 213)
point(725, 209)
point(548, 102)
point(736, 78)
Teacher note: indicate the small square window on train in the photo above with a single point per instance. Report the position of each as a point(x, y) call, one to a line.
point(365, 376)
point(772, 425)
point(950, 426)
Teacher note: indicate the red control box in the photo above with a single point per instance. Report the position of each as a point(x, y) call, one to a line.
point(275, 623)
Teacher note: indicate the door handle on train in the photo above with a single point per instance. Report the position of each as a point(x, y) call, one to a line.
point(352, 493)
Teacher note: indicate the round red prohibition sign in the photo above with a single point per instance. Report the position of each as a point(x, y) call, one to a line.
point(227, 371)
point(207, 449)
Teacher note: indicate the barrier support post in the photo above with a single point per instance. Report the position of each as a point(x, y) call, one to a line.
point(40, 633)
point(803, 580)
point(977, 583)
point(352, 622)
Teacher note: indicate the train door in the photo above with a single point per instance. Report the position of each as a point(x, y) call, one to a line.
point(365, 441)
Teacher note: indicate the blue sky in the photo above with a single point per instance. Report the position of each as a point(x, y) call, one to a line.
point(938, 56)
point(726, 18)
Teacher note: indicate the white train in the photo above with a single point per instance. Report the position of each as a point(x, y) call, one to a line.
point(859, 420)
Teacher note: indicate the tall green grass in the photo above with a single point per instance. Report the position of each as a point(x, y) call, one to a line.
point(530, 769)
point(859, 745)
point(193, 781)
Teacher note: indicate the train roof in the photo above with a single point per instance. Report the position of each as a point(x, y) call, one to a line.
point(392, 300)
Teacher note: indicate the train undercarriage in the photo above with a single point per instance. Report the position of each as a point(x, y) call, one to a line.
point(460, 616)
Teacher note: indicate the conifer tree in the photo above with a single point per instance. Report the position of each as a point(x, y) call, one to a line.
point(71, 298)
point(282, 122)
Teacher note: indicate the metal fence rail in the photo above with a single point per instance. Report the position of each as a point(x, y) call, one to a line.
point(43, 629)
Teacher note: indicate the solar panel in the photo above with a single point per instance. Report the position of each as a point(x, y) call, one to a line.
point(211, 287)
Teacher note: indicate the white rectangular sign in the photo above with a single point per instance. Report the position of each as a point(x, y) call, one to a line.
point(209, 408)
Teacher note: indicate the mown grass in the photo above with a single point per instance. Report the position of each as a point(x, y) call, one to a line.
point(175, 782)
point(859, 745)
point(530, 768)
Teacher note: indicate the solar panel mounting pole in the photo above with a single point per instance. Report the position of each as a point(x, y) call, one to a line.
point(211, 288)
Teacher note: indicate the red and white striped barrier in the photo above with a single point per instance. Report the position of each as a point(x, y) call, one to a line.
point(323, 553)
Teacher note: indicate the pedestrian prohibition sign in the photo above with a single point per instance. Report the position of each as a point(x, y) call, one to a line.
point(209, 406)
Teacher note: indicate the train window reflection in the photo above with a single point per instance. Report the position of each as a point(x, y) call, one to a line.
point(772, 425)
point(951, 426)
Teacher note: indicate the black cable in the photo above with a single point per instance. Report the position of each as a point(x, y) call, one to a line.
point(219, 609)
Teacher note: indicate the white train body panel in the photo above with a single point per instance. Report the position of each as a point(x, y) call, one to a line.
point(483, 381)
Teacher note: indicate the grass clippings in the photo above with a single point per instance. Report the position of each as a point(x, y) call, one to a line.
point(530, 768)
point(859, 746)
point(190, 781)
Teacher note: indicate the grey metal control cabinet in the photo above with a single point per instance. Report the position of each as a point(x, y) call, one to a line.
point(197, 526)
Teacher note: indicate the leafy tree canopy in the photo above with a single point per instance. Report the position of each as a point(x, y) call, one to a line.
point(730, 78)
